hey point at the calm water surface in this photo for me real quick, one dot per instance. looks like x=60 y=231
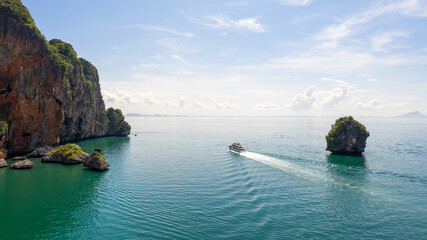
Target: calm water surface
x=176 y=180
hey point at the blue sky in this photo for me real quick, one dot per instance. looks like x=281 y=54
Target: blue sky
x=248 y=57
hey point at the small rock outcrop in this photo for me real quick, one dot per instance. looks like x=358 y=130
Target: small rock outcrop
x=26 y=164
x=96 y=162
x=3 y=163
x=347 y=136
x=40 y=152
x=67 y=154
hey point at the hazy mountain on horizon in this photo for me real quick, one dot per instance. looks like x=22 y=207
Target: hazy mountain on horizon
x=415 y=114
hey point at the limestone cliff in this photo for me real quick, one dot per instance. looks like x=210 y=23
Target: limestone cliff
x=347 y=136
x=47 y=94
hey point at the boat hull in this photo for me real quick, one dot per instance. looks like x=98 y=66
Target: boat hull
x=236 y=152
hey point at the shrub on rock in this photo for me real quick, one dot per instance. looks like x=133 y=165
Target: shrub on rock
x=66 y=154
x=96 y=162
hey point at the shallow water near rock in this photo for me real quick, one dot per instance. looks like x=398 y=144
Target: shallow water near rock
x=176 y=180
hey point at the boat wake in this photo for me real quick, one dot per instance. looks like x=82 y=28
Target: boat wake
x=286 y=166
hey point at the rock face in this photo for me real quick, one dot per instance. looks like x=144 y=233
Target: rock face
x=40 y=152
x=3 y=138
x=96 y=162
x=17 y=158
x=67 y=154
x=3 y=163
x=47 y=95
x=347 y=136
x=26 y=164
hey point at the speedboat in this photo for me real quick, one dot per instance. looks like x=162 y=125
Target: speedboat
x=236 y=148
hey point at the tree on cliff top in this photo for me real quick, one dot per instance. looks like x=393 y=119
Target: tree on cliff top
x=15 y=9
x=116 y=122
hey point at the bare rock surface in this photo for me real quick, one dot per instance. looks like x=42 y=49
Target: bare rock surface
x=40 y=152
x=26 y=164
x=96 y=162
x=347 y=136
x=67 y=154
x=3 y=163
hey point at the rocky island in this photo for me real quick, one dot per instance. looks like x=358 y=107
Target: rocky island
x=347 y=136
x=48 y=96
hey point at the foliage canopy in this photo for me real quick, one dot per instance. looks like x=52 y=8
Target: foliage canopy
x=15 y=9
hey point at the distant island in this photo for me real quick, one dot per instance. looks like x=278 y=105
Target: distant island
x=415 y=114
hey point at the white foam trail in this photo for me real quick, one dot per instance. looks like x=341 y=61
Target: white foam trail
x=312 y=174
x=286 y=166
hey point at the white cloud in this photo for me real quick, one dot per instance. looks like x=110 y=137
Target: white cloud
x=236 y=4
x=347 y=27
x=159 y=29
x=296 y=2
x=304 y=100
x=341 y=61
x=128 y=97
x=223 y=105
x=224 y=22
x=374 y=105
x=119 y=96
x=198 y=104
x=147 y=98
x=338 y=94
x=372 y=80
x=266 y=105
x=182 y=101
x=169 y=43
x=148 y=66
x=179 y=59
x=381 y=42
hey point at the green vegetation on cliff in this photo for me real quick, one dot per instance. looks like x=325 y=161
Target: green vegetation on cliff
x=341 y=128
x=66 y=59
x=3 y=128
x=61 y=53
x=116 y=122
x=15 y=9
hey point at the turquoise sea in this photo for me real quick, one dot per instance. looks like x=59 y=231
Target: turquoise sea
x=176 y=180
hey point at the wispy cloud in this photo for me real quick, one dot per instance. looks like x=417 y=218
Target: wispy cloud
x=384 y=41
x=159 y=29
x=266 y=105
x=224 y=22
x=223 y=105
x=340 y=61
x=347 y=27
x=179 y=58
x=236 y=4
x=374 y=105
x=296 y=2
x=199 y=104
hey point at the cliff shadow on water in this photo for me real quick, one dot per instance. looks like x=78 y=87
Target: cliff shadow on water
x=32 y=198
